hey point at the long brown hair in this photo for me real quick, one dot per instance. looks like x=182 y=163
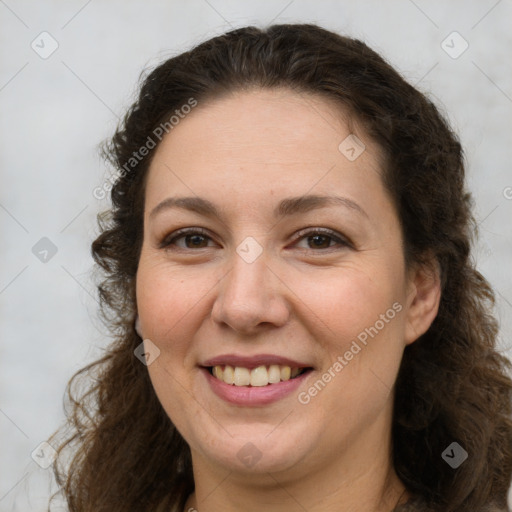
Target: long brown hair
x=453 y=386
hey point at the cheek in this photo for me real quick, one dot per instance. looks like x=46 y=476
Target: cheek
x=356 y=317
x=170 y=304
x=346 y=301
x=167 y=299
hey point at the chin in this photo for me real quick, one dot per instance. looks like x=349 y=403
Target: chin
x=255 y=450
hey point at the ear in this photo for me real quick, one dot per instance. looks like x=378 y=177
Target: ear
x=423 y=297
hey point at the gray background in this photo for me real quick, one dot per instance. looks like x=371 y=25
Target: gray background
x=55 y=110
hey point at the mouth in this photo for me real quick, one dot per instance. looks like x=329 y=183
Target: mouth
x=260 y=376
x=254 y=380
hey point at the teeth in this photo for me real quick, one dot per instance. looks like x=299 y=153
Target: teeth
x=242 y=376
x=286 y=372
x=228 y=375
x=274 y=374
x=260 y=376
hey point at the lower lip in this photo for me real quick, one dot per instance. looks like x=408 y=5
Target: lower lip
x=254 y=395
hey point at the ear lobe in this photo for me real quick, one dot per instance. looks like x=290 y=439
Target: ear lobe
x=137 y=326
x=423 y=300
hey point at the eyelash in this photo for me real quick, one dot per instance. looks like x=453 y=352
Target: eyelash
x=181 y=233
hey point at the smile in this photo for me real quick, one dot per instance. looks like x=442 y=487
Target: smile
x=254 y=380
x=255 y=377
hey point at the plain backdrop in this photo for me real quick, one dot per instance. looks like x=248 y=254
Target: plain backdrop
x=57 y=107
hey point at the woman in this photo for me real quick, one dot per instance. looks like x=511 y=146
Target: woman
x=297 y=322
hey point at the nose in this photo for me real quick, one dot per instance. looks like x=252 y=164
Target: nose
x=251 y=297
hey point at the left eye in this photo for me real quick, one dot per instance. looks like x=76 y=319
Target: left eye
x=198 y=239
x=321 y=239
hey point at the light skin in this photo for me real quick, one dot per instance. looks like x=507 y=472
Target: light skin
x=306 y=297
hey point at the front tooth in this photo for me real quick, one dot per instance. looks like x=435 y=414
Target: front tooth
x=259 y=376
x=217 y=372
x=242 y=376
x=274 y=374
x=228 y=375
x=285 y=372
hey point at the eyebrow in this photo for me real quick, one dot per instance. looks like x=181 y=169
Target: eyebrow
x=287 y=207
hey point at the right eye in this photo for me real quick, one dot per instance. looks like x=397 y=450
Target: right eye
x=195 y=238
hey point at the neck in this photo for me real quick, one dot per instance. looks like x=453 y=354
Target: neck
x=281 y=499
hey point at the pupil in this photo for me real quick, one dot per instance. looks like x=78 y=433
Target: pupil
x=316 y=239
x=194 y=239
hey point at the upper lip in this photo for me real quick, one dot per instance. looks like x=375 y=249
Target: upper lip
x=253 y=361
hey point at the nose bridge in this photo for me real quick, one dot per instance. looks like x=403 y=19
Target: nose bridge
x=249 y=278
x=250 y=293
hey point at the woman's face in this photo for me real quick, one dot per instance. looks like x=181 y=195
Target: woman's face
x=297 y=266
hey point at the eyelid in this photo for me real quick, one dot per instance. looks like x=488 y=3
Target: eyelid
x=312 y=230
x=298 y=236
x=166 y=241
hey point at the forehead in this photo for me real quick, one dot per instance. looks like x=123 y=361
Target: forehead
x=262 y=141
x=247 y=119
